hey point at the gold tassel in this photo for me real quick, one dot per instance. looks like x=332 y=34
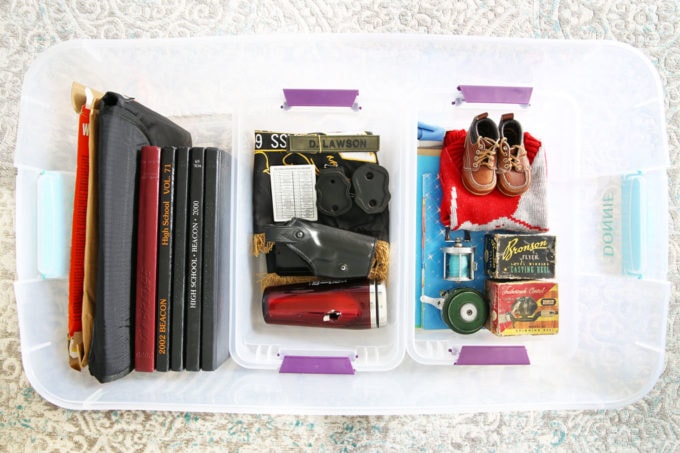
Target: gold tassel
x=381 y=261
x=260 y=245
x=273 y=279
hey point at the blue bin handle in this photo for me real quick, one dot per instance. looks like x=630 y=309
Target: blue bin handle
x=633 y=224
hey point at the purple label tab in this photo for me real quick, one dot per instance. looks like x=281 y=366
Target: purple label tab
x=496 y=94
x=493 y=355
x=316 y=365
x=320 y=98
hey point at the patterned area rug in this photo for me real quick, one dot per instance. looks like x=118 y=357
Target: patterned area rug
x=28 y=423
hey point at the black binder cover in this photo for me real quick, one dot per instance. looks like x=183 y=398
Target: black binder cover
x=124 y=127
x=215 y=311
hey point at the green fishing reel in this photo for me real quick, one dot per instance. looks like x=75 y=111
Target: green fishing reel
x=464 y=310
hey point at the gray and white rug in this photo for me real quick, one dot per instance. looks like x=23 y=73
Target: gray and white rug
x=28 y=423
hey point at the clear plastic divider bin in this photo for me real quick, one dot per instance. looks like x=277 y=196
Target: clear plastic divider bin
x=597 y=107
x=255 y=344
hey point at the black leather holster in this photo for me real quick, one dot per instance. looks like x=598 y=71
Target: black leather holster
x=306 y=248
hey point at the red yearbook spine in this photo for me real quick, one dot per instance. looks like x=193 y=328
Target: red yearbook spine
x=147 y=249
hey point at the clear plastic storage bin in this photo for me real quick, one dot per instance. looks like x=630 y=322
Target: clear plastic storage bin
x=597 y=106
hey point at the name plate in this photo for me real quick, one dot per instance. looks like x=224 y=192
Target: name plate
x=316 y=143
x=320 y=143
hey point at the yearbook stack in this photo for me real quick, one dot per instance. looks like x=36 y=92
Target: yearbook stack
x=178 y=317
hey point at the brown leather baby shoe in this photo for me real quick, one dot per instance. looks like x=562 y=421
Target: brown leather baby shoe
x=514 y=170
x=479 y=157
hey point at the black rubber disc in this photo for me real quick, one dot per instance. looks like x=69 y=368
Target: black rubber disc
x=465 y=310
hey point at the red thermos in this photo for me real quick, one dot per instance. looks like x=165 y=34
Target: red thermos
x=349 y=304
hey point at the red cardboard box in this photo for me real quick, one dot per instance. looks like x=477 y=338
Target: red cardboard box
x=523 y=307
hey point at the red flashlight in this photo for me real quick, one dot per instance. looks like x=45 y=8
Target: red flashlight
x=349 y=304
